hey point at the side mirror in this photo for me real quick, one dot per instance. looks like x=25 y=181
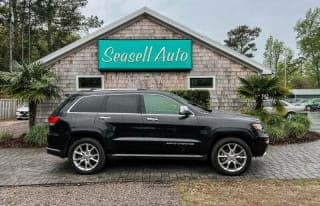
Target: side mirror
x=184 y=110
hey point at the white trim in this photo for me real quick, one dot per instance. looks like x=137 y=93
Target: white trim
x=95 y=35
x=209 y=88
x=89 y=76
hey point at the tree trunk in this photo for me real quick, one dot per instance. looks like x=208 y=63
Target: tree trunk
x=32 y=113
x=259 y=102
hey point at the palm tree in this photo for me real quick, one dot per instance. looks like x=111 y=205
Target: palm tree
x=260 y=87
x=34 y=83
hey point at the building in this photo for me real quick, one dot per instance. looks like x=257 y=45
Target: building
x=148 y=50
x=304 y=93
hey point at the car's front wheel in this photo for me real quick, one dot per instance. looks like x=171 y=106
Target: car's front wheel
x=87 y=156
x=231 y=156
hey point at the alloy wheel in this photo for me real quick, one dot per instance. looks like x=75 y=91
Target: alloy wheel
x=232 y=157
x=85 y=157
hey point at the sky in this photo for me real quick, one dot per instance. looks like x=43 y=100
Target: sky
x=214 y=18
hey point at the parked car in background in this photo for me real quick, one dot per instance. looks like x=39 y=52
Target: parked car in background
x=90 y=127
x=22 y=112
x=312 y=104
x=300 y=102
x=289 y=108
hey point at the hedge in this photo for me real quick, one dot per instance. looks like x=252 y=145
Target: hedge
x=201 y=98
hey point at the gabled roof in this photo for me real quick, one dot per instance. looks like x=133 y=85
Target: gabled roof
x=146 y=11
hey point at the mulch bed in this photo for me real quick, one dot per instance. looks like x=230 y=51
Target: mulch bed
x=308 y=137
x=16 y=143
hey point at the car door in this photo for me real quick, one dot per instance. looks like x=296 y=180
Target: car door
x=121 y=122
x=166 y=131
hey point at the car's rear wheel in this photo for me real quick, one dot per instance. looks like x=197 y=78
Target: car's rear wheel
x=87 y=156
x=289 y=115
x=231 y=156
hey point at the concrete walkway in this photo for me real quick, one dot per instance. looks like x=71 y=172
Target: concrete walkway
x=315 y=121
x=34 y=166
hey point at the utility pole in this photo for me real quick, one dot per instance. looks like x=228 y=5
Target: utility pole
x=285 y=69
x=11 y=29
x=29 y=32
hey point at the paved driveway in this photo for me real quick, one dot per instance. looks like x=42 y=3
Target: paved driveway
x=34 y=166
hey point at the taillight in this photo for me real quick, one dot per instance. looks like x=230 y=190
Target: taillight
x=52 y=120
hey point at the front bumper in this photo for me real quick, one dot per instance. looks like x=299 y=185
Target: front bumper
x=20 y=115
x=260 y=145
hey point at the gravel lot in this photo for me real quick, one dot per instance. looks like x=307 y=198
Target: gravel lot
x=96 y=194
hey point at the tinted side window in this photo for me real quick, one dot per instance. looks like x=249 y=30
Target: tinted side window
x=156 y=104
x=123 y=104
x=89 y=104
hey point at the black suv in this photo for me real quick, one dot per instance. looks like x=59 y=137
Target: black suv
x=91 y=127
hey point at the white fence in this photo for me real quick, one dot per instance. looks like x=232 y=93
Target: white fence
x=8 y=108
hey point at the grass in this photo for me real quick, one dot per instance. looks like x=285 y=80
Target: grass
x=250 y=192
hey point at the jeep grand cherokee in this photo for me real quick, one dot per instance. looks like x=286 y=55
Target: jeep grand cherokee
x=91 y=127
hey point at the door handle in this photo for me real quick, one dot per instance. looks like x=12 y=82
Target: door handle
x=152 y=119
x=104 y=117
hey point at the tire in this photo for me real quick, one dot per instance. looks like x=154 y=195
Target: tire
x=221 y=163
x=91 y=160
x=289 y=115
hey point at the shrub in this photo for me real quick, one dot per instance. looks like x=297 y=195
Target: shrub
x=198 y=97
x=279 y=129
x=301 y=118
x=276 y=133
x=5 y=136
x=295 y=129
x=274 y=120
x=37 y=135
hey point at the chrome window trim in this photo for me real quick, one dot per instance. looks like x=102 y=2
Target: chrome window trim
x=108 y=113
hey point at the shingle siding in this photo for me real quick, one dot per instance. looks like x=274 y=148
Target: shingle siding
x=206 y=62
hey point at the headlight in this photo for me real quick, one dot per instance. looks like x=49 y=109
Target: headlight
x=17 y=113
x=257 y=126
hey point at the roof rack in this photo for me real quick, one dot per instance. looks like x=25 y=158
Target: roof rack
x=116 y=89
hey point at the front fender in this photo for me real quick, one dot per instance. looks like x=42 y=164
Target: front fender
x=219 y=133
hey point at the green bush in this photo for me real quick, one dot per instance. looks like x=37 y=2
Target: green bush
x=197 y=97
x=274 y=120
x=280 y=129
x=295 y=129
x=37 y=135
x=276 y=133
x=5 y=136
x=301 y=118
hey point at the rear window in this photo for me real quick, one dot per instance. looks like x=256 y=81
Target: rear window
x=89 y=104
x=123 y=104
x=64 y=105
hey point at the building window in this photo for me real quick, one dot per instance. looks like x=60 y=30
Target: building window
x=85 y=82
x=201 y=82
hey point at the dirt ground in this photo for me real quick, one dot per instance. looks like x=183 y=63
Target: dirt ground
x=97 y=194
x=251 y=192
x=14 y=127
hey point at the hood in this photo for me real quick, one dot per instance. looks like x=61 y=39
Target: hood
x=234 y=115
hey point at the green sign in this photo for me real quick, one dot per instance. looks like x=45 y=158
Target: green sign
x=144 y=54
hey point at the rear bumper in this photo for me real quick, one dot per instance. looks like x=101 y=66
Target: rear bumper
x=260 y=145
x=57 y=144
x=55 y=152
